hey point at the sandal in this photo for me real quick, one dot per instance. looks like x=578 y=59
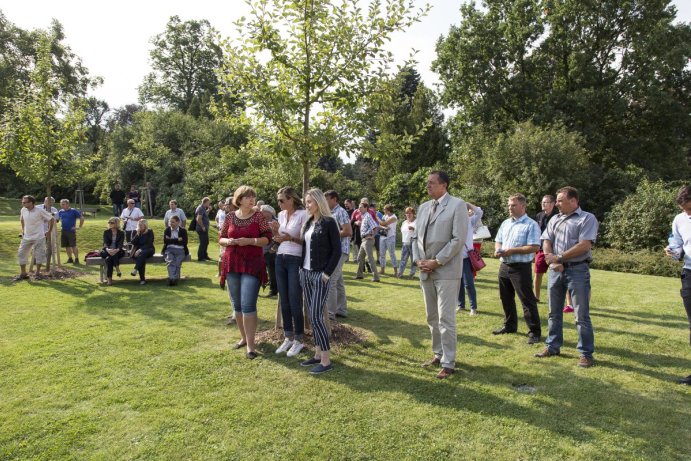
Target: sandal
x=251 y=355
x=239 y=345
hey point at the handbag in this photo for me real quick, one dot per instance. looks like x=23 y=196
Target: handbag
x=193 y=223
x=482 y=232
x=476 y=259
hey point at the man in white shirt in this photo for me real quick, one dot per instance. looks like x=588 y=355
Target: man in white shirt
x=32 y=220
x=130 y=216
x=680 y=245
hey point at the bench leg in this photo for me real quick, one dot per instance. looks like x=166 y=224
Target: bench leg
x=103 y=273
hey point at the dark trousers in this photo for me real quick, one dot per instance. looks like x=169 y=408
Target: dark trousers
x=270 y=259
x=203 y=245
x=140 y=261
x=686 y=295
x=111 y=261
x=517 y=279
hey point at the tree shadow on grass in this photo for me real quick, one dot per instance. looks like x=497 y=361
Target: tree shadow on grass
x=156 y=299
x=661 y=320
x=566 y=403
x=649 y=362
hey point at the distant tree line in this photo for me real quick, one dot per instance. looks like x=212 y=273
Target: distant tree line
x=543 y=94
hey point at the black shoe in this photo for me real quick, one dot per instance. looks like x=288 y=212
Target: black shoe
x=502 y=331
x=70 y=261
x=170 y=282
x=686 y=380
x=338 y=314
x=533 y=338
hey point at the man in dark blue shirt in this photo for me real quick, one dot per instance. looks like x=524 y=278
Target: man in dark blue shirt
x=68 y=222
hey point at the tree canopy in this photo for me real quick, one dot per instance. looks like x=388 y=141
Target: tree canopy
x=185 y=59
x=617 y=72
x=305 y=68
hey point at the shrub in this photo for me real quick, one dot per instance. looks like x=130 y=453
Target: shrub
x=642 y=220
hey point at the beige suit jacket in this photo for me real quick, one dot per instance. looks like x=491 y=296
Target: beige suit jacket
x=445 y=237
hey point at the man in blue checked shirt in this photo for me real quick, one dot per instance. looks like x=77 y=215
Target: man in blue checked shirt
x=517 y=241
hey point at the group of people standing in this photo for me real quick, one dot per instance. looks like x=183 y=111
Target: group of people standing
x=308 y=254
x=311 y=242
x=37 y=222
x=438 y=250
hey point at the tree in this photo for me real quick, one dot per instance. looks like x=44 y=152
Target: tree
x=184 y=59
x=19 y=50
x=617 y=72
x=305 y=67
x=42 y=128
x=407 y=132
x=532 y=160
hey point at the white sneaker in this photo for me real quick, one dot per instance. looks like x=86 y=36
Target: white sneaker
x=473 y=311
x=285 y=346
x=295 y=350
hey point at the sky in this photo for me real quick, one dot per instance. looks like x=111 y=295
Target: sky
x=113 y=38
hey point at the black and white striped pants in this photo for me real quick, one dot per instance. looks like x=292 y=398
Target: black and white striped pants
x=316 y=293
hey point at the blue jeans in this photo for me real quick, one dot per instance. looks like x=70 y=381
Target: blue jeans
x=575 y=279
x=290 y=295
x=243 y=290
x=468 y=281
x=387 y=244
x=406 y=252
x=117 y=210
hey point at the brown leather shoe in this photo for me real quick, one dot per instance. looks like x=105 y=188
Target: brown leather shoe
x=585 y=362
x=546 y=352
x=445 y=373
x=434 y=362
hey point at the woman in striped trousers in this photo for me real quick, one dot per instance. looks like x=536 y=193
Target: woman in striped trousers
x=321 y=250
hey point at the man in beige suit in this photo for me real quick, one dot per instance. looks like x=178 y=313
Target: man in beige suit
x=439 y=237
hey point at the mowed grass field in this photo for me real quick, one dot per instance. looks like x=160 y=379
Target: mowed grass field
x=131 y=372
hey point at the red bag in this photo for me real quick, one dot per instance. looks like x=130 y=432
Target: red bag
x=476 y=260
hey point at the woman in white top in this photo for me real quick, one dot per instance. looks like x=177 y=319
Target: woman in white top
x=286 y=233
x=388 y=242
x=407 y=230
x=468 y=278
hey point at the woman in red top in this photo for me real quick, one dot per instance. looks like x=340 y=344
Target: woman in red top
x=243 y=235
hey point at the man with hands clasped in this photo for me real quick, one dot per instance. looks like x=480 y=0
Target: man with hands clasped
x=567 y=243
x=442 y=226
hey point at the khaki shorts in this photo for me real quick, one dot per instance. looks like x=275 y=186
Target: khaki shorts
x=39 y=247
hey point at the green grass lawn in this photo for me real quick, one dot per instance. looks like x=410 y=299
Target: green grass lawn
x=131 y=372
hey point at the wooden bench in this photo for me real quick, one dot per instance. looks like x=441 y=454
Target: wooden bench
x=90 y=211
x=155 y=259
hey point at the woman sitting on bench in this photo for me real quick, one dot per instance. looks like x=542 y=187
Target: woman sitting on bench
x=113 y=240
x=142 y=248
x=174 y=249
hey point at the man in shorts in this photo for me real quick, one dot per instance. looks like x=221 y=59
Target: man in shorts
x=68 y=237
x=32 y=220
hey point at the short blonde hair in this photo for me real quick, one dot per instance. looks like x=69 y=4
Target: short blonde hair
x=242 y=192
